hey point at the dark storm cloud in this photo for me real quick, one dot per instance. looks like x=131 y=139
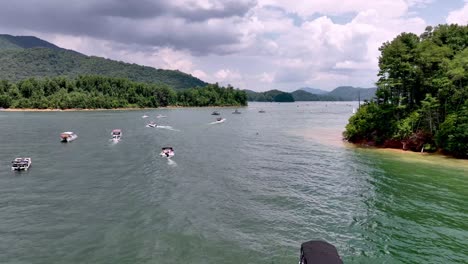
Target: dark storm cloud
x=179 y=24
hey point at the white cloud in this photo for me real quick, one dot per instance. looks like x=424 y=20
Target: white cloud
x=267 y=77
x=260 y=45
x=227 y=75
x=459 y=16
x=387 y=8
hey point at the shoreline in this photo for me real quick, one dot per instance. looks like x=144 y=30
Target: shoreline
x=415 y=156
x=111 y=109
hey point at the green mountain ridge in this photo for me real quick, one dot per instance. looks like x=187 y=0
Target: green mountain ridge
x=24 y=42
x=341 y=93
x=23 y=57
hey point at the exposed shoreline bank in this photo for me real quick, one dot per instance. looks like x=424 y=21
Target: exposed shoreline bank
x=410 y=153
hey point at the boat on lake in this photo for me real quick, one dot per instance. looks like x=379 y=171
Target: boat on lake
x=21 y=164
x=317 y=251
x=68 y=136
x=151 y=124
x=262 y=111
x=219 y=120
x=237 y=112
x=215 y=113
x=167 y=152
x=144 y=116
x=161 y=116
x=116 y=135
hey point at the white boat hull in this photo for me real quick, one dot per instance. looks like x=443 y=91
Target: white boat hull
x=21 y=164
x=69 y=139
x=219 y=122
x=170 y=155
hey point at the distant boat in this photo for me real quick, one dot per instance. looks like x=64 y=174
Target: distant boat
x=144 y=116
x=354 y=110
x=116 y=135
x=21 y=164
x=219 y=120
x=262 y=111
x=160 y=116
x=152 y=124
x=167 y=152
x=236 y=112
x=68 y=136
x=215 y=113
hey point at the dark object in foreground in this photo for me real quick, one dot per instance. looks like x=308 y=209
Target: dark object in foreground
x=319 y=252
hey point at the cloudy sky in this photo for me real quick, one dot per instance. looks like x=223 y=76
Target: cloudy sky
x=251 y=44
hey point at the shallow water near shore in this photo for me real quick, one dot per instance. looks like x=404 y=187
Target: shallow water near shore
x=249 y=190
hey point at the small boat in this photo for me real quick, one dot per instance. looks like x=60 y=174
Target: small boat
x=215 y=113
x=161 y=116
x=21 y=164
x=354 y=110
x=317 y=251
x=68 y=136
x=262 y=111
x=219 y=120
x=144 y=116
x=116 y=135
x=237 y=112
x=167 y=152
x=151 y=124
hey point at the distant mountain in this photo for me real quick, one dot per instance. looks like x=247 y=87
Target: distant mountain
x=302 y=95
x=342 y=93
x=268 y=96
x=24 y=57
x=313 y=90
x=24 y=42
x=349 y=93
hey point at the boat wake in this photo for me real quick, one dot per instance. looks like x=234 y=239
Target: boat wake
x=171 y=163
x=218 y=122
x=113 y=141
x=168 y=128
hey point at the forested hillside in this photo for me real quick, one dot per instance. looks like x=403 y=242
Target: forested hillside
x=422 y=96
x=107 y=92
x=25 y=57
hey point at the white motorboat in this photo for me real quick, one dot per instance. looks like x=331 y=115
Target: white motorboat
x=219 y=120
x=116 y=135
x=68 y=136
x=151 y=124
x=21 y=164
x=167 y=152
x=161 y=116
x=144 y=116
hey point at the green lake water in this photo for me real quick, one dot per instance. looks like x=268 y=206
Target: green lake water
x=249 y=190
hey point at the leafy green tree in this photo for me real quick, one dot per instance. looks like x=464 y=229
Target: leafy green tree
x=422 y=92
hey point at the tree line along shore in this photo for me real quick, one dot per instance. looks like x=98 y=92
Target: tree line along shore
x=99 y=92
x=421 y=103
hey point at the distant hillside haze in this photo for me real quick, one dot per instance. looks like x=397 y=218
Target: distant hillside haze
x=342 y=93
x=313 y=90
x=23 y=57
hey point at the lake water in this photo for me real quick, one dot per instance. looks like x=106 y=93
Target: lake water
x=249 y=190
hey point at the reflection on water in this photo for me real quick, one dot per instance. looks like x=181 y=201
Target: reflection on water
x=331 y=136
